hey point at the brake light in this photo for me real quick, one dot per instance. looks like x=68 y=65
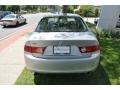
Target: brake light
x=88 y=49
x=32 y=49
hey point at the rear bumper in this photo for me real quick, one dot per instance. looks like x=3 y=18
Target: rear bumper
x=1 y=23
x=62 y=65
x=8 y=23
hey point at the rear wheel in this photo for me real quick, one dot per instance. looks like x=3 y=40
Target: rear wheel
x=17 y=23
x=4 y=26
x=25 y=21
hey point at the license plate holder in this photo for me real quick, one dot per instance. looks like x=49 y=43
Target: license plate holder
x=61 y=50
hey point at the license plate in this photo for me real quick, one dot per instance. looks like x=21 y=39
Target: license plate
x=61 y=49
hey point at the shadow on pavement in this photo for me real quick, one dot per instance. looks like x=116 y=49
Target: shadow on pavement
x=99 y=77
x=15 y=26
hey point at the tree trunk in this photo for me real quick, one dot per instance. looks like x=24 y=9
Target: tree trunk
x=65 y=8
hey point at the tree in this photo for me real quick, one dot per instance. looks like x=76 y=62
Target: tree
x=13 y=8
x=27 y=8
x=96 y=12
x=58 y=8
x=65 y=8
x=87 y=10
x=3 y=7
x=43 y=8
x=77 y=10
x=68 y=8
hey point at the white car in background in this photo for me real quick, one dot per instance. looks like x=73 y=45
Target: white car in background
x=13 y=20
x=96 y=20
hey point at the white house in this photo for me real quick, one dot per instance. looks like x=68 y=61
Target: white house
x=109 y=18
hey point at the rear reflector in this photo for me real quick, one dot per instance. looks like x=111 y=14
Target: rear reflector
x=31 y=49
x=88 y=49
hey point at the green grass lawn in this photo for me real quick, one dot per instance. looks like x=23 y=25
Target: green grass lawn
x=107 y=73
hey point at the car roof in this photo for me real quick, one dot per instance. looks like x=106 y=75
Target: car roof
x=5 y=11
x=61 y=14
x=13 y=14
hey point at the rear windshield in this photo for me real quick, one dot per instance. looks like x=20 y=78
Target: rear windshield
x=61 y=24
x=10 y=16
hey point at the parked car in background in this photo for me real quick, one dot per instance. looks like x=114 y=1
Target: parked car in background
x=4 y=13
x=62 y=43
x=96 y=21
x=13 y=20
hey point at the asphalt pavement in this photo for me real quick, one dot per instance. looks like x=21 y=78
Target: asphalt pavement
x=32 y=21
x=12 y=48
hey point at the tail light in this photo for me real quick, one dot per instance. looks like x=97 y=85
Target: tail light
x=88 y=49
x=32 y=49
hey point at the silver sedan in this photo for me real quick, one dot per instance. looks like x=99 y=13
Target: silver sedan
x=62 y=43
x=12 y=20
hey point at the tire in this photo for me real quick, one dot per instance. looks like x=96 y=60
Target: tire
x=4 y=26
x=17 y=23
x=25 y=21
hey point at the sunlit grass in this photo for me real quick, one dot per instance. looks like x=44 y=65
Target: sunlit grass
x=110 y=51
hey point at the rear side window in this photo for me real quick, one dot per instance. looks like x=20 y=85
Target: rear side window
x=61 y=24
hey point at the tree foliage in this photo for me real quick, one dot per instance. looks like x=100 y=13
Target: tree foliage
x=68 y=8
x=86 y=10
x=13 y=8
x=96 y=12
x=3 y=7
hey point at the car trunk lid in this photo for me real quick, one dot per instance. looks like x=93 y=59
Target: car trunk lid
x=70 y=39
